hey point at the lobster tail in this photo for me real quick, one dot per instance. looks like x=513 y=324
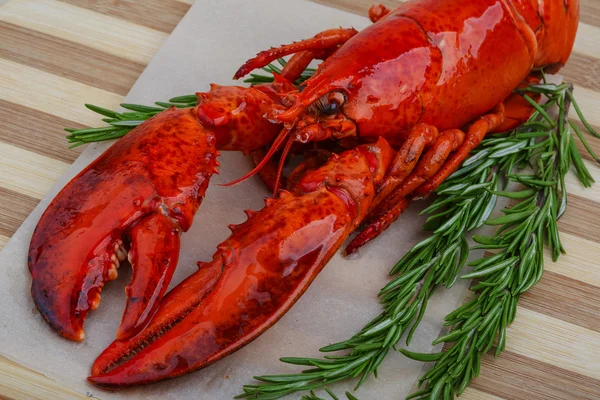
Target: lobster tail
x=557 y=35
x=554 y=23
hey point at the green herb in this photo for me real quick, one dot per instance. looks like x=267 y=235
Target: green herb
x=119 y=124
x=313 y=396
x=479 y=325
x=545 y=147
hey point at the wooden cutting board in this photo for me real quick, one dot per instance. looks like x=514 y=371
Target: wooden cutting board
x=57 y=55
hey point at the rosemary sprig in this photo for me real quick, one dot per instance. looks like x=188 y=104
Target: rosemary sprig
x=465 y=201
x=518 y=263
x=119 y=124
x=313 y=396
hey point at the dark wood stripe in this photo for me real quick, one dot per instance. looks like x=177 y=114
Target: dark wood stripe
x=590 y=12
x=162 y=15
x=516 y=377
x=67 y=59
x=583 y=70
x=582 y=218
x=566 y=299
x=14 y=208
x=36 y=131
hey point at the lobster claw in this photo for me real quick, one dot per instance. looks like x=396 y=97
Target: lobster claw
x=255 y=276
x=145 y=188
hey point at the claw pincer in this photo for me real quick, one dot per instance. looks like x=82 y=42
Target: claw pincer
x=256 y=275
x=129 y=194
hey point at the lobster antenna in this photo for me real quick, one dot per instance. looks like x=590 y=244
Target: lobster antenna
x=284 y=155
x=276 y=145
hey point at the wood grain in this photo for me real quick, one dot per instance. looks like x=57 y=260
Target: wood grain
x=516 y=377
x=97 y=31
x=14 y=208
x=67 y=59
x=57 y=55
x=162 y=16
x=53 y=94
x=581 y=219
x=28 y=173
x=37 y=131
x=577 y=262
x=566 y=298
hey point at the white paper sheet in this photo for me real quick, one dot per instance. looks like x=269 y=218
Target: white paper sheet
x=212 y=40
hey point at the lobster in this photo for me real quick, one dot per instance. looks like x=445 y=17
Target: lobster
x=398 y=106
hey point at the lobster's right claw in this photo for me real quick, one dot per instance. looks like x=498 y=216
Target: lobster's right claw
x=256 y=275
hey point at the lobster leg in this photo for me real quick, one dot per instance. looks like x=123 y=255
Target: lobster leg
x=431 y=171
x=390 y=209
x=420 y=137
x=300 y=61
x=516 y=109
x=474 y=136
x=256 y=275
x=322 y=41
x=376 y=12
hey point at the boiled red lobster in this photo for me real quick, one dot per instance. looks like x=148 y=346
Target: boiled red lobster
x=405 y=100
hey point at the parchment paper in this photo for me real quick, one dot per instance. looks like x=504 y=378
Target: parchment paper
x=212 y=40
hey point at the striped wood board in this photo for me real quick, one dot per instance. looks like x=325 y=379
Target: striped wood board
x=57 y=55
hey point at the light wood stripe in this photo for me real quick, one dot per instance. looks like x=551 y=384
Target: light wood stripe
x=162 y=16
x=575 y=187
x=592 y=141
x=577 y=263
x=556 y=342
x=588 y=101
x=20 y=383
x=581 y=219
x=14 y=208
x=516 y=377
x=583 y=71
x=52 y=94
x=28 y=173
x=3 y=240
x=36 y=131
x=585 y=42
x=67 y=59
x=570 y=300
x=124 y=39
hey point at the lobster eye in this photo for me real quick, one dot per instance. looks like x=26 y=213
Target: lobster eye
x=332 y=102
